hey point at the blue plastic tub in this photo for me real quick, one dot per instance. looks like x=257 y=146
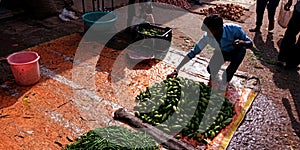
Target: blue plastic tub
x=98 y=20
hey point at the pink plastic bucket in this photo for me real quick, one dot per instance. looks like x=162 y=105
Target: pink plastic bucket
x=25 y=67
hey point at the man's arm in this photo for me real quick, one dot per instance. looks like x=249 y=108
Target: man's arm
x=196 y=50
x=242 y=40
x=183 y=62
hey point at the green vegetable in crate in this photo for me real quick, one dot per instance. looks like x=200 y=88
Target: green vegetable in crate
x=179 y=105
x=114 y=137
x=150 y=32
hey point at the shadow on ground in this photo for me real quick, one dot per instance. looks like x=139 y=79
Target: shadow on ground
x=284 y=79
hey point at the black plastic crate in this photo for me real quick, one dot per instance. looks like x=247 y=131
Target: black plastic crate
x=161 y=39
x=163 y=32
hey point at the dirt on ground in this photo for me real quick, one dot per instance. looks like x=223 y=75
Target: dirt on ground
x=273 y=122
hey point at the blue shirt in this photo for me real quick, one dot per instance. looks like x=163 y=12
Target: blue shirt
x=231 y=32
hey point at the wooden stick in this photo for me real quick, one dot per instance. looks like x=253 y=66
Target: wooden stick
x=126 y=117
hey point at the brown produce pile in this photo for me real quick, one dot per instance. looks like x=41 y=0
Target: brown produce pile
x=228 y=11
x=178 y=3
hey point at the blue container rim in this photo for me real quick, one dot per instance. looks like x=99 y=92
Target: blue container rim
x=99 y=12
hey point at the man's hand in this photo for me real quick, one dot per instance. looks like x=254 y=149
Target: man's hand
x=241 y=43
x=238 y=44
x=174 y=74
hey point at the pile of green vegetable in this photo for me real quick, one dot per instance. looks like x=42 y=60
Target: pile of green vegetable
x=152 y=32
x=114 y=138
x=179 y=105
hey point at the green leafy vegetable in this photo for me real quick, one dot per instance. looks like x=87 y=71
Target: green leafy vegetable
x=113 y=138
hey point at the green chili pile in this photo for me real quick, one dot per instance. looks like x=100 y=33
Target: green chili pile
x=152 y=32
x=178 y=105
x=114 y=138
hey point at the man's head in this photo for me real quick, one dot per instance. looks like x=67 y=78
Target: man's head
x=213 y=23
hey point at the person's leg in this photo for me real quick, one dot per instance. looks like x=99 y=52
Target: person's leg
x=271 y=7
x=287 y=44
x=235 y=59
x=131 y=12
x=213 y=68
x=215 y=64
x=68 y=4
x=145 y=8
x=297 y=49
x=293 y=59
x=260 y=9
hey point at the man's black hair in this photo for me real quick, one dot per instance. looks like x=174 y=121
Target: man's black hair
x=213 y=21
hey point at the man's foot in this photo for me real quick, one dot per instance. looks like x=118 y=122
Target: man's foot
x=271 y=25
x=256 y=29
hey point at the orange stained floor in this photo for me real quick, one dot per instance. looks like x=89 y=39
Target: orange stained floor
x=70 y=99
